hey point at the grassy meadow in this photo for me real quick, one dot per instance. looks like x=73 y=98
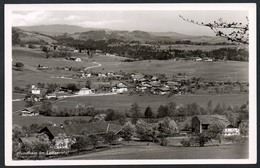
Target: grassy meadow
x=27 y=120
x=123 y=102
x=235 y=151
x=218 y=71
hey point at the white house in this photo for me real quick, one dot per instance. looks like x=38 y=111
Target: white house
x=119 y=88
x=198 y=59
x=77 y=59
x=231 y=130
x=29 y=112
x=35 y=90
x=85 y=91
x=102 y=75
x=51 y=95
x=208 y=59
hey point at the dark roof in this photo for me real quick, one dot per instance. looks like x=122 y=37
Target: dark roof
x=28 y=140
x=28 y=110
x=208 y=119
x=88 y=128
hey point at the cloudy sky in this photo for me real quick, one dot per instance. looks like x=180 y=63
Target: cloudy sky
x=149 y=20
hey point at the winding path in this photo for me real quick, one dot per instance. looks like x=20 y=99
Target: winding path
x=95 y=66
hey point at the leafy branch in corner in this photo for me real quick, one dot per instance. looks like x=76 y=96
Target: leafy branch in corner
x=239 y=31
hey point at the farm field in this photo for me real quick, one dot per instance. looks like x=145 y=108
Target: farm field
x=218 y=71
x=27 y=120
x=196 y=47
x=123 y=102
x=236 y=151
x=32 y=58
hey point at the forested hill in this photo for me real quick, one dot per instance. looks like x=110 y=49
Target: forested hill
x=82 y=33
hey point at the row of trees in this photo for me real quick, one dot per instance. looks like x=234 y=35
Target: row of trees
x=145 y=52
x=234 y=114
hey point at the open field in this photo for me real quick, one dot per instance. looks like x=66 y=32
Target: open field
x=196 y=47
x=236 y=151
x=218 y=71
x=123 y=102
x=32 y=58
x=27 y=120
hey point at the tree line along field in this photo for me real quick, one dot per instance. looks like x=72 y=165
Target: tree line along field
x=195 y=47
x=123 y=102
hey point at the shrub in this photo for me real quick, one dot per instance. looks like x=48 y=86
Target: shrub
x=164 y=142
x=31 y=46
x=185 y=142
x=19 y=64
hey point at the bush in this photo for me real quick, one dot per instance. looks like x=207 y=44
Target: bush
x=31 y=46
x=185 y=142
x=164 y=142
x=19 y=64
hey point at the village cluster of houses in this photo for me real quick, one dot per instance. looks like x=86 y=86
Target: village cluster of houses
x=63 y=136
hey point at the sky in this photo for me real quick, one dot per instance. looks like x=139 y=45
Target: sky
x=148 y=20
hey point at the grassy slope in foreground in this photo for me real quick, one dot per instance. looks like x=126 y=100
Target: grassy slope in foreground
x=236 y=151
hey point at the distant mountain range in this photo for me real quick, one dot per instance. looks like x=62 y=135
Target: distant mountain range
x=83 y=33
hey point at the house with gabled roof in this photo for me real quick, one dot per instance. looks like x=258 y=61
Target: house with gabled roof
x=200 y=123
x=30 y=111
x=35 y=90
x=137 y=77
x=85 y=91
x=63 y=136
x=119 y=88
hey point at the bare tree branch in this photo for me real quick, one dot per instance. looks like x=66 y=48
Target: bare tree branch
x=239 y=34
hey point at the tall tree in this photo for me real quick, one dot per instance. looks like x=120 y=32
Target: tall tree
x=209 y=107
x=127 y=131
x=163 y=111
x=110 y=137
x=81 y=143
x=40 y=144
x=135 y=112
x=148 y=113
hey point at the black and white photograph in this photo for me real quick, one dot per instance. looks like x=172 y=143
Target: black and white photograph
x=130 y=84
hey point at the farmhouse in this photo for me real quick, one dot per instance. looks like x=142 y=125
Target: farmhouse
x=141 y=88
x=77 y=59
x=102 y=75
x=29 y=112
x=200 y=123
x=42 y=67
x=119 y=88
x=32 y=97
x=230 y=130
x=35 y=90
x=51 y=95
x=85 y=91
x=161 y=90
x=137 y=77
x=63 y=136
x=198 y=59
x=207 y=59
